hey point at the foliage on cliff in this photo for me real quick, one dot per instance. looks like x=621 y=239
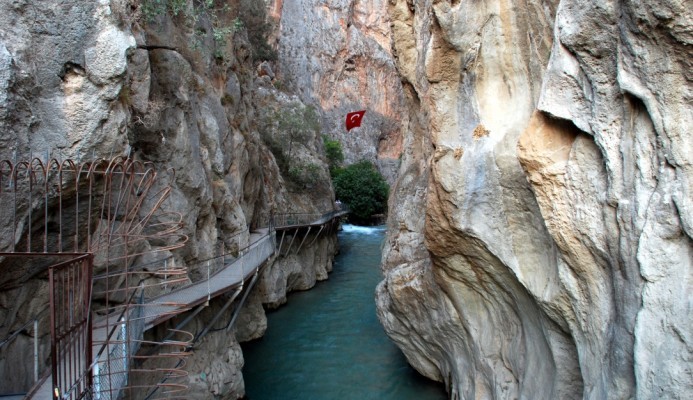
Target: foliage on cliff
x=363 y=189
x=253 y=13
x=334 y=153
x=226 y=18
x=290 y=133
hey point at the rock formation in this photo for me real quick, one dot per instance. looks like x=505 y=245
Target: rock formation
x=539 y=240
x=540 y=227
x=337 y=55
x=177 y=87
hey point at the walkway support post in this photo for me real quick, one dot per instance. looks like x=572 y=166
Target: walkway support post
x=304 y=239
x=216 y=317
x=290 y=243
x=240 y=305
x=317 y=235
x=279 y=249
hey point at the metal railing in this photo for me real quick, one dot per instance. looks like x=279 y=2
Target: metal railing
x=107 y=209
x=295 y=219
x=304 y=219
x=234 y=273
x=71 y=327
x=111 y=375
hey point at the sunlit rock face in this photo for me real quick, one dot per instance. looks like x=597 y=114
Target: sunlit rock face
x=61 y=70
x=100 y=79
x=539 y=240
x=337 y=55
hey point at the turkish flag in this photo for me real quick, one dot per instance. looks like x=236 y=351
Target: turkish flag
x=353 y=119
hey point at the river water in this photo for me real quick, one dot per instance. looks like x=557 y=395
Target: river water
x=327 y=343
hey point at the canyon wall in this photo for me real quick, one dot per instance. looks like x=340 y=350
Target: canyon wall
x=337 y=55
x=539 y=237
x=177 y=87
x=540 y=226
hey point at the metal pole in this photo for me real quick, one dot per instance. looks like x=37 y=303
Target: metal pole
x=36 y=357
x=304 y=239
x=54 y=339
x=216 y=317
x=318 y=234
x=124 y=347
x=292 y=241
x=97 y=382
x=240 y=304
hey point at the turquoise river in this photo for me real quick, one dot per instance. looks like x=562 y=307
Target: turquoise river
x=327 y=343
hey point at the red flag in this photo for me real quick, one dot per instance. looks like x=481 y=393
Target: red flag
x=353 y=119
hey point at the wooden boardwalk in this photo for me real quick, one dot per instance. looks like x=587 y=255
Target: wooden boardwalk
x=230 y=277
x=164 y=307
x=233 y=275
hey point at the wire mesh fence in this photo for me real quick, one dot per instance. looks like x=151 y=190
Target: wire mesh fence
x=114 y=209
x=112 y=368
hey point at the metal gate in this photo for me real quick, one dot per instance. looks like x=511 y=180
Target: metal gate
x=71 y=327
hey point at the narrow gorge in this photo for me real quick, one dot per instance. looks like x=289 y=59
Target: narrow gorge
x=540 y=156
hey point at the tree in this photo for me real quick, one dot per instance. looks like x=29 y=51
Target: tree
x=363 y=189
x=334 y=153
x=286 y=129
x=299 y=122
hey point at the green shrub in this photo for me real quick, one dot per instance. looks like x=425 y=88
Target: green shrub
x=333 y=152
x=153 y=8
x=285 y=128
x=190 y=14
x=295 y=124
x=361 y=187
x=252 y=17
x=304 y=175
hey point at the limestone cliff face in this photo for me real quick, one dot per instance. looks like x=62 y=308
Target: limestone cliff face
x=95 y=79
x=338 y=56
x=540 y=234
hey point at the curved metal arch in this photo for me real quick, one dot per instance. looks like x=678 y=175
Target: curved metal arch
x=30 y=175
x=125 y=198
x=6 y=172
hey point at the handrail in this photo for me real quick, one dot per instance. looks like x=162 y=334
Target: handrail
x=285 y=220
x=227 y=261
x=242 y=253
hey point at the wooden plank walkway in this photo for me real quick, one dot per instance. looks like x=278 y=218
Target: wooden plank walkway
x=231 y=276
x=320 y=221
